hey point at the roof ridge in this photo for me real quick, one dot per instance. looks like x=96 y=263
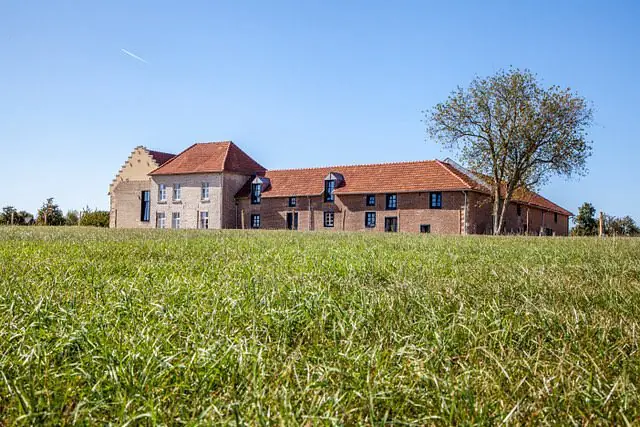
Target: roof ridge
x=455 y=175
x=226 y=154
x=354 y=165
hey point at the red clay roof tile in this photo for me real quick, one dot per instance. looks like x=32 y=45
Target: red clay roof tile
x=210 y=157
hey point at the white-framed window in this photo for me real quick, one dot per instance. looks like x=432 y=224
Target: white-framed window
x=204 y=191
x=204 y=220
x=328 y=219
x=161 y=220
x=177 y=192
x=162 y=193
x=175 y=220
x=255 y=221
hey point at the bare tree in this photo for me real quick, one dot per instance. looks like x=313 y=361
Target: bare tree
x=515 y=131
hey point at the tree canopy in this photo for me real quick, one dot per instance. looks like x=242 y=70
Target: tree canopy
x=50 y=214
x=515 y=131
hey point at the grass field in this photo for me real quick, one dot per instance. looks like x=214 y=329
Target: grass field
x=152 y=327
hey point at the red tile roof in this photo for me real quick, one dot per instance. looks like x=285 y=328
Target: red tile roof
x=362 y=179
x=210 y=157
x=402 y=177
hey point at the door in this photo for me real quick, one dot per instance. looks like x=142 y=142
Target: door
x=391 y=224
x=292 y=220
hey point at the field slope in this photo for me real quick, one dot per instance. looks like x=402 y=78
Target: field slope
x=162 y=327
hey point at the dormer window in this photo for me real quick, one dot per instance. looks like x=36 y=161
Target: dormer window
x=329 y=186
x=256 y=191
x=332 y=181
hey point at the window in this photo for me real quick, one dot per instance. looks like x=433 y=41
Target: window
x=329 y=186
x=292 y=202
x=328 y=219
x=255 y=194
x=175 y=220
x=204 y=191
x=555 y=217
x=162 y=193
x=519 y=209
x=425 y=228
x=435 y=200
x=392 y=201
x=161 y=220
x=145 y=206
x=371 y=199
x=255 y=220
x=370 y=219
x=177 y=192
x=204 y=220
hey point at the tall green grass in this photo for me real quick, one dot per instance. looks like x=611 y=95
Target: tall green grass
x=162 y=327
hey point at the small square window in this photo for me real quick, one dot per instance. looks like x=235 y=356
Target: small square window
x=435 y=200
x=371 y=199
x=328 y=219
x=425 y=228
x=392 y=202
x=255 y=221
x=370 y=219
x=292 y=202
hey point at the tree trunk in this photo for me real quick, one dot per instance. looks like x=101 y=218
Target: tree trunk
x=496 y=210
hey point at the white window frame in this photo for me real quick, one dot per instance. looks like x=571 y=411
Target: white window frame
x=161 y=220
x=177 y=192
x=162 y=193
x=204 y=191
x=329 y=219
x=203 y=215
x=175 y=220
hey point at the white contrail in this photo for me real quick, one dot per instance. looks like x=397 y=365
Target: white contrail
x=133 y=55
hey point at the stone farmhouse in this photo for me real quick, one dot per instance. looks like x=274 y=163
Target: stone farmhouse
x=217 y=185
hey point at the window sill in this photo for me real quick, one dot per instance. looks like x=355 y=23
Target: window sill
x=204 y=200
x=162 y=202
x=177 y=202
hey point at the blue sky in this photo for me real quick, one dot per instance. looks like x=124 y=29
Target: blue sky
x=295 y=84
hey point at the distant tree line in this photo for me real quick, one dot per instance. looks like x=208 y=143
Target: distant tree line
x=586 y=224
x=51 y=214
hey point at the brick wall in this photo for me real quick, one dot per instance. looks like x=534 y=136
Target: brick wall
x=231 y=185
x=126 y=205
x=349 y=212
x=190 y=201
x=126 y=189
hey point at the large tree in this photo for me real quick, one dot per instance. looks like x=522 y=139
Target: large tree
x=50 y=213
x=515 y=131
x=585 y=222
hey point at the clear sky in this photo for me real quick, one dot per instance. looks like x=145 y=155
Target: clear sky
x=294 y=84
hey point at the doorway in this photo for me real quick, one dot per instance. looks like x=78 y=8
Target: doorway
x=292 y=220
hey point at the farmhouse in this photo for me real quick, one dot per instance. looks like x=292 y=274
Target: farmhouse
x=216 y=185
